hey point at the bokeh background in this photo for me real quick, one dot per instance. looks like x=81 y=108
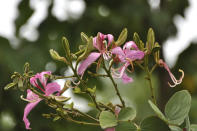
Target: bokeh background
x=29 y=28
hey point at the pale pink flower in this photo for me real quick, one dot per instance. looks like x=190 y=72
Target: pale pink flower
x=127 y=55
x=174 y=80
x=101 y=43
x=34 y=99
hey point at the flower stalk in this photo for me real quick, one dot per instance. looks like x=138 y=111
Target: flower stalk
x=114 y=84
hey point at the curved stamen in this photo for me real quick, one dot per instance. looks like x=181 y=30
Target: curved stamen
x=118 y=75
x=76 y=83
x=176 y=82
x=131 y=63
x=30 y=101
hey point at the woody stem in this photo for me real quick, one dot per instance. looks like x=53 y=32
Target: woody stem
x=114 y=84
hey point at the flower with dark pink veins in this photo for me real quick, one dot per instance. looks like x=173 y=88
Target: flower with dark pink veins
x=127 y=55
x=174 y=80
x=34 y=99
x=101 y=43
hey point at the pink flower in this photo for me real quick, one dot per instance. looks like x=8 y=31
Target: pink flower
x=101 y=45
x=127 y=55
x=174 y=80
x=34 y=99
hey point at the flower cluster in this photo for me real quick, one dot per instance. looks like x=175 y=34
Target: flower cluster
x=126 y=56
x=117 y=58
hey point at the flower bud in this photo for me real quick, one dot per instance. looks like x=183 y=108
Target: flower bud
x=122 y=37
x=56 y=56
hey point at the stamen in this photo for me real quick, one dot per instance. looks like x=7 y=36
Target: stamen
x=68 y=84
x=175 y=81
x=131 y=63
x=118 y=75
x=27 y=99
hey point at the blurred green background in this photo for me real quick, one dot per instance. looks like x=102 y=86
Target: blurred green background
x=106 y=16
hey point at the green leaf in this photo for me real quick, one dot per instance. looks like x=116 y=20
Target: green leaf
x=107 y=119
x=177 y=108
x=193 y=127
x=84 y=37
x=153 y=123
x=125 y=126
x=10 y=85
x=157 y=111
x=150 y=39
x=187 y=123
x=175 y=128
x=126 y=114
x=122 y=37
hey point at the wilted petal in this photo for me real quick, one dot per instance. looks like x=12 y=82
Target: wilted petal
x=87 y=62
x=117 y=110
x=52 y=88
x=135 y=55
x=126 y=79
x=129 y=45
x=27 y=109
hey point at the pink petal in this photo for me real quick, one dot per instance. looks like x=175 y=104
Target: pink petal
x=110 y=129
x=110 y=39
x=27 y=109
x=33 y=80
x=52 y=88
x=32 y=96
x=129 y=45
x=98 y=42
x=87 y=62
x=135 y=55
x=41 y=77
x=118 y=51
x=126 y=79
